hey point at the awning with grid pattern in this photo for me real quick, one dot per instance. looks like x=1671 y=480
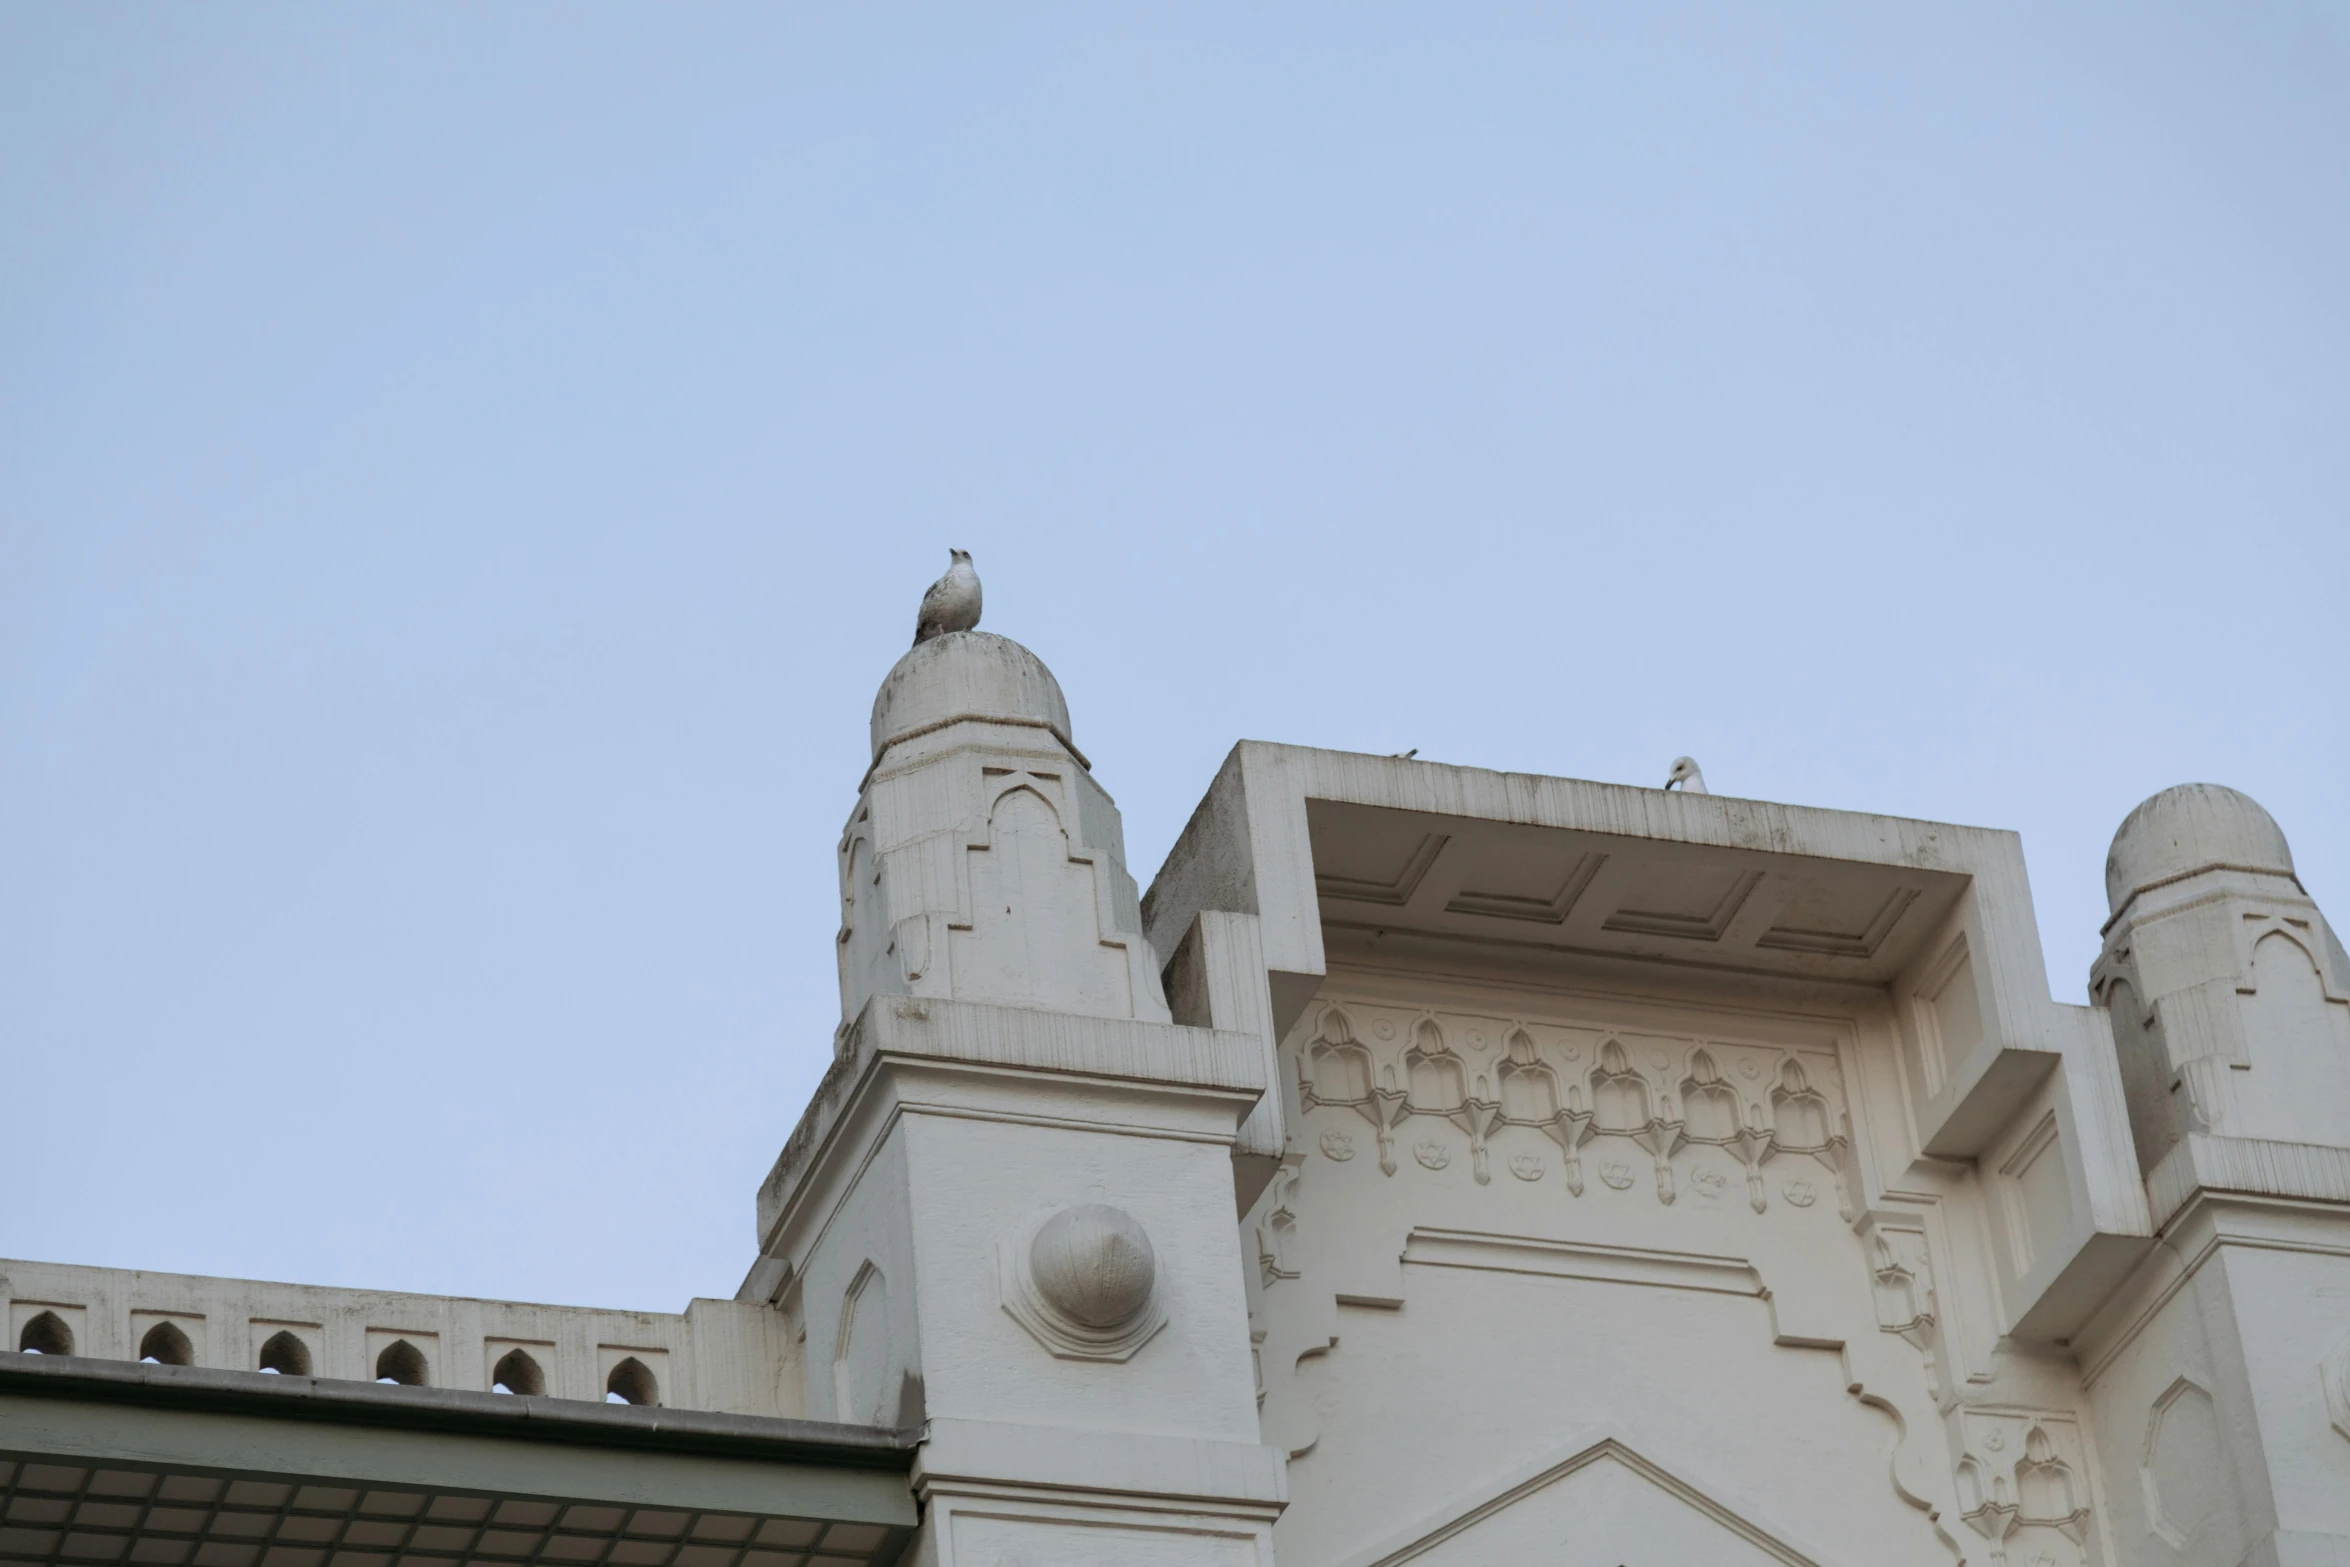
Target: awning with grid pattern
x=105 y=1463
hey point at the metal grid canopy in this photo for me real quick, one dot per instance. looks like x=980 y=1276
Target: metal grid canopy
x=67 y=1513
x=111 y=1465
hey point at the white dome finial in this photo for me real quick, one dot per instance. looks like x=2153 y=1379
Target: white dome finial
x=952 y=604
x=2189 y=828
x=1686 y=775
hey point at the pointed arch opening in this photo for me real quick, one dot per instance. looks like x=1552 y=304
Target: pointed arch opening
x=285 y=1355
x=631 y=1382
x=517 y=1373
x=403 y=1363
x=45 y=1334
x=165 y=1345
x=1038 y=928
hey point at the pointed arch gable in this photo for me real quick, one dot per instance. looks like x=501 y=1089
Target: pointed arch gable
x=1583 y=1454
x=2297 y=1038
x=2303 y=945
x=1011 y=785
x=1038 y=924
x=167 y=1344
x=856 y=869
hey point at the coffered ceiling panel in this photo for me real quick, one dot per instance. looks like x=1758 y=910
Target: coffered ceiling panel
x=1710 y=905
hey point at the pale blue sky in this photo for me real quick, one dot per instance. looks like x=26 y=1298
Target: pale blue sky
x=464 y=471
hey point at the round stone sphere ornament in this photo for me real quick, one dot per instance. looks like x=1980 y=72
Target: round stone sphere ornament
x=1083 y=1282
x=1093 y=1262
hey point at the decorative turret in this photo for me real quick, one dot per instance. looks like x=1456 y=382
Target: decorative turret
x=2229 y=995
x=1006 y=1217
x=983 y=863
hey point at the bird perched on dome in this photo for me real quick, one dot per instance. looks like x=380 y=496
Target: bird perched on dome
x=952 y=604
x=1686 y=775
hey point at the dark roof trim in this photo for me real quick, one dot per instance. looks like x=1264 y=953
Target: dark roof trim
x=521 y=1418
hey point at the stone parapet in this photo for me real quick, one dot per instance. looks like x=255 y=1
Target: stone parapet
x=716 y=1355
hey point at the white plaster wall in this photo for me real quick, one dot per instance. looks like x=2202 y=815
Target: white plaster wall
x=1602 y=1512
x=1919 y=1411
x=1532 y=1315
x=2291 y=1308
x=868 y=1228
x=746 y=1359
x=985 y=1180
x=1029 y=1535
x=2184 y=1344
x=1429 y=1409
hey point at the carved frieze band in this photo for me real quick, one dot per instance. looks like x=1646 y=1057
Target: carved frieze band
x=1617 y=1097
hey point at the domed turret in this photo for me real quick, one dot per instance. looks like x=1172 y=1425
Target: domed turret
x=984 y=862
x=967 y=675
x=2188 y=828
x=2221 y=979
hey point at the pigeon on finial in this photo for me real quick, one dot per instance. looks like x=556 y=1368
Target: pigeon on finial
x=1685 y=774
x=952 y=604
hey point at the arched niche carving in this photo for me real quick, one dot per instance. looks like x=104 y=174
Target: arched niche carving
x=1620 y=1100
x=1338 y=1066
x=863 y=1352
x=1035 y=932
x=1433 y=1074
x=1529 y=1089
x=2297 y=1044
x=1709 y=1106
x=1800 y=1113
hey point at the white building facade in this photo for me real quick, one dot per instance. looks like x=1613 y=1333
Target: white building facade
x=1435 y=1165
